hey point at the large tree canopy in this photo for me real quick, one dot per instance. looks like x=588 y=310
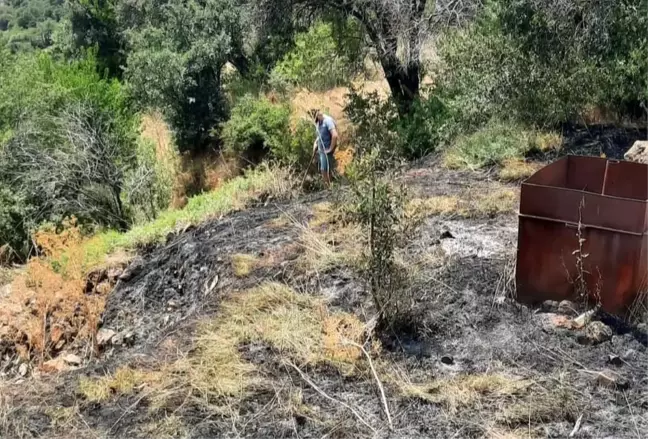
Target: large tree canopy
x=397 y=29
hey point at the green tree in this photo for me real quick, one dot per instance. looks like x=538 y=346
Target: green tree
x=178 y=51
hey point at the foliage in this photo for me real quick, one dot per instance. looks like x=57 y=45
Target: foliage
x=378 y=204
x=322 y=58
x=178 y=51
x=258 y=127
x=543 y=63
x=493 y=145
x=28 y=25
x=148 y=187
x=93 y=24
x=67 y=138
x=414 y=135
x=14 y=225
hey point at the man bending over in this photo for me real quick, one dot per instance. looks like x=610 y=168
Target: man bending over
x=325 y=144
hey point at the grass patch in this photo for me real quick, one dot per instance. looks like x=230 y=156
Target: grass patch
x=329 y=247
x=500 y=144
x=543 y=405
x=243 y=264
x=514 y=170
x=486 y=204
x=124 y=381
x=466 y=391
x=297 y=326
x=490 y=146
x=168 y=427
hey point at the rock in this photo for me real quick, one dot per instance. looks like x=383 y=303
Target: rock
x=549 y=306
x=611 y=380
x=638 y=152
x=446 y=235
x=595 y=333
x=582 y=320
x=447 y=359
x=567 y=307
x=105 y=336
x=615 y=360
x=23 y=369
x=72 y=359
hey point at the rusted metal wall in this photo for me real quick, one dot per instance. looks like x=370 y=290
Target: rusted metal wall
x=589 y=213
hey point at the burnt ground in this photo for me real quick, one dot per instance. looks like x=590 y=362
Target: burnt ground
x=465 y=324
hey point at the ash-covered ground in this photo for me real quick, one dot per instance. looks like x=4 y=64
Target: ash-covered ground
x=473 y=363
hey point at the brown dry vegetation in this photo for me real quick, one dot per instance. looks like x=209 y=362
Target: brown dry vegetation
x=49 y=306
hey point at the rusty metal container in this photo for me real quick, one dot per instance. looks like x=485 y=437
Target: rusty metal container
x=587 y=217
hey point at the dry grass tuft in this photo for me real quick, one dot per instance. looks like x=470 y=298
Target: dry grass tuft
x=124 y=381
x=297 y=326
x=439 y=205
x=540 y=406
x=493 y=203
x=516 y=169
x=244 y=264
x=328 y=247
x=547 y=141
x=481 y=204
x=466 y=391
x=169 y=427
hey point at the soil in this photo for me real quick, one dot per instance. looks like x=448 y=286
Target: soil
x=466 y=324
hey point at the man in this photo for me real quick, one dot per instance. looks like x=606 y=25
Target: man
x=325 y=144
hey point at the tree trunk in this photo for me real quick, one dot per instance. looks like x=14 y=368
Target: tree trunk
x=404 y=83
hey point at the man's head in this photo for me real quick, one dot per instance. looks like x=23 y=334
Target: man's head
x=318 y=115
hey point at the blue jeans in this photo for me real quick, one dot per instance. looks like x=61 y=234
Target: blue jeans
x=326 y=161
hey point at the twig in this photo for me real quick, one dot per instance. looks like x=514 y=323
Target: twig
x=330 y=398
x=576 y=426
x=127 y=411
x=380 y=386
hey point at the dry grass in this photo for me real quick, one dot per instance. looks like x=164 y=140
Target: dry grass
x=432 y=206
x=540 y=406
x=244 y=264
x=169 y=427
x=327 y=240
x=466 y=391
x=516 y=169
x=47 y=303
x=124 y=381
x=329 y=247
x=297 y=326
x=550 y=141
x=481 y=204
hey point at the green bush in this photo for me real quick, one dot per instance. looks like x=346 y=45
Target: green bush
x=324 y=57
x=148 y=187
x=258 y=127
x=67 y=138
x=490 y=146
x=422 y=131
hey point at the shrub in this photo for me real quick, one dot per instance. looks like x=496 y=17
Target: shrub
x=493 y=145
x=258 y=128
x=324 y=57
x=67 y=139
x=421 y=132
x=379 y=206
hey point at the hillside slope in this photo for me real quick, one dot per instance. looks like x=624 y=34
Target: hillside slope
x=250 y=325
